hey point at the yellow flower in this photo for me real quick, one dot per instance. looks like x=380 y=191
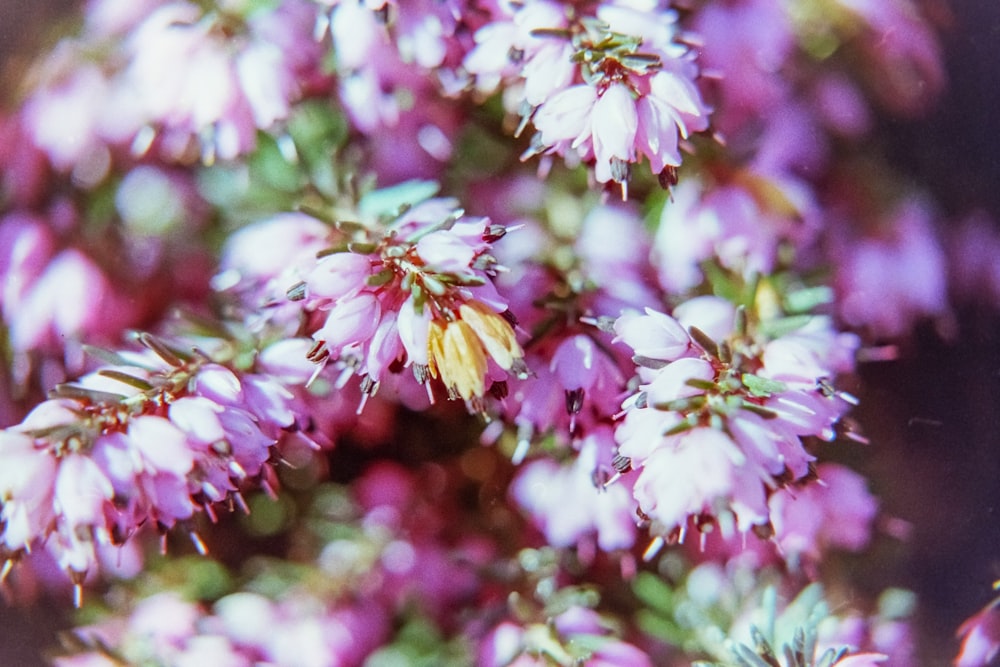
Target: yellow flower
x=459 y=350
x=494 y=332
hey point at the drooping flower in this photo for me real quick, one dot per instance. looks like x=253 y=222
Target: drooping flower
x=413 y=292
x=607 y=89
x=175 y=80
x=888 y=281
x=543 y=488
x=718 y=421
x=146 y=441
x=980 y=638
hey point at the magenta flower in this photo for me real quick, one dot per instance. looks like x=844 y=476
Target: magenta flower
x=980 y=638
x=416 y=293
x=605 y=90
x=135 y=444
x=614 y=125
x=886 y=283
x=568 y=502
x=717 y=423
x=560 y=641
x=837 y=514
x=186 y=84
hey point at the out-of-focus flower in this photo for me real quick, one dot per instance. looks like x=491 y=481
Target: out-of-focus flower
x=578 y=635
x=191 y=84
x=391 y=63
x=750 y=62
x=980 y=637
x=888 y=282
x=569 y=502
x=902 y=52
x=741 y=225
x=53 y=298
x=836 y=513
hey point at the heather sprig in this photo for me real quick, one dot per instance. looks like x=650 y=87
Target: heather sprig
x=726 y=395
x=147 y=440
x=607 y=85
x=412 y=288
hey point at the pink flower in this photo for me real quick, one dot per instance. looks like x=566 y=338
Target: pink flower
x=672 y=110
x=337 y=275
x=615 y=122
x=71 y=299
x=66 y=118
x=752 y=60
x=837 y=513
x=350 y=320
x=568 y=506
x=82 y=492
x=672 y=381
x=564 y=121
x=690 y=475
x=714 y=315
x=980 y=638
x=886 y=284
x=604 y=91
x=27 y=481
x=237 y=86
x=653 y=335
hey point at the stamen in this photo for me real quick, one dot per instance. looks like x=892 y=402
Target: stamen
x=521 y=451
x=241 y=502
x=653 y=548
x=199 y=545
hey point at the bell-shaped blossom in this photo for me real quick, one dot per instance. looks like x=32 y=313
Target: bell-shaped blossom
x=614 y=124
x=834 y=514
x=980 y=638
x=606 y=92
x=131 y=445
x=417 y=293
x=717 y=423
x=653 y=335
x=888 y=282
x=142 y=94
x=568 y=502
x=742 y=227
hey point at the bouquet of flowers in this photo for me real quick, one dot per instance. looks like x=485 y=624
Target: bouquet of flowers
x=447 y=332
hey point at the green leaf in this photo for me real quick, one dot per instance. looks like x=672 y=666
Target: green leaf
x=896 y=603
x=776 y=328
x=762 y=387
x=269 y=165
x=387 y=201
x=654 y=592
x=125 y=378
x=807 y=299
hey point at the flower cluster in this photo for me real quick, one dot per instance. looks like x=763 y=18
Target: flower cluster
x=174 y=79
x=721 y=411
x=146 y=440
x=414 y=292
x=608 y=88
x=317 y=211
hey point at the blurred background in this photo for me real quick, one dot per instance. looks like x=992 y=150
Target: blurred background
x=933 y=416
